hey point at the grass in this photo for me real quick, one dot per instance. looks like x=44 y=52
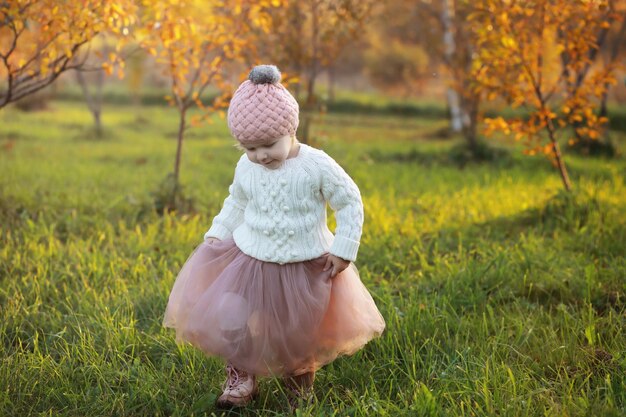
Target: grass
x=502 y=294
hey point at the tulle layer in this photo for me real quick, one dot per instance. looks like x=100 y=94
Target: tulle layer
x=266 y=318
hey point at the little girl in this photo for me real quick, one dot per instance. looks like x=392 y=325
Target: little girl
x=270 y=289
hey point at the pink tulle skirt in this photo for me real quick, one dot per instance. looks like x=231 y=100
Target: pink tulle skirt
x=266 y=318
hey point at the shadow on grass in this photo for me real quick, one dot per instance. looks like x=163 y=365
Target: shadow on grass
x=461 y=157
x=12 y=212
x=15 y=135
x=458 y=156
x=565 y=211
x=583 y=218
x=594 y=172
x=566 y=252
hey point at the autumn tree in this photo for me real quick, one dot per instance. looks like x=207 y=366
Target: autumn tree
x=458 y=56
x=312 y=34
x=441 y=30
x=520 y=48
x=615 y=49
x=98 y=60
x=333 y=25
x=579 y=59
x=93 y=99
x=136 y=71
x=193 y=42
x=397 y=67
x=40 y=39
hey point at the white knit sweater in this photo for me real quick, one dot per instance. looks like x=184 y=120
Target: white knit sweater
x=279 y=215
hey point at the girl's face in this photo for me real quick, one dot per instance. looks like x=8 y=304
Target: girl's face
x=273 y=152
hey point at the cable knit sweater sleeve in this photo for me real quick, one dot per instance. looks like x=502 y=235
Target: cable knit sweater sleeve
x=344 y=198
x=232 y=213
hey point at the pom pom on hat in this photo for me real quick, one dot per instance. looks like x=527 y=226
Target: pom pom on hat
x=262 y=108
x=265 y=74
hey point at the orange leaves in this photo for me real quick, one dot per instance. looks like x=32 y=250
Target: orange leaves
x=508 y=42
x=538 y=56
x=192 y=39
x=496 y=124
x=41 y=38
x=312 y=34
x=108 y=68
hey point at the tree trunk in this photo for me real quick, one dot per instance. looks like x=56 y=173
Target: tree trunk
x=136 y=69
x=179 y=146
x=556 y=151
x=454 y=102
x=605 y=96
x=298 y=85
x=98 y=122
x=310 y=89
x=456 y=119
x=470 y=122
x=94 y=103
x=313 y=66
x=297 y=21
x=98 y=112
x=331 y=84
x=304 y=128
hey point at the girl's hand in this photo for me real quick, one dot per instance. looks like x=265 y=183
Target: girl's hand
x=210 y=240
x=337 y=265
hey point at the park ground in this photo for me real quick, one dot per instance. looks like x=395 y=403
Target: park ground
x=503 y=295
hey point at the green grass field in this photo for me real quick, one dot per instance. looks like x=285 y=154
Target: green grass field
x=502 y=295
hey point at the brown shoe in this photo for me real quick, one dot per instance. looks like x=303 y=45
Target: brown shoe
x=299 y=389
x=240 y=389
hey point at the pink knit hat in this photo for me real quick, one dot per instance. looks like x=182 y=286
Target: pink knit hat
x=262 y=108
